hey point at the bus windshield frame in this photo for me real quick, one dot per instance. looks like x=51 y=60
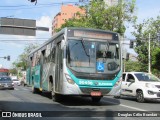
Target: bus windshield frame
x=84 y=55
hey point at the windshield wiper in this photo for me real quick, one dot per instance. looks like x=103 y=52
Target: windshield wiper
x=82 y=41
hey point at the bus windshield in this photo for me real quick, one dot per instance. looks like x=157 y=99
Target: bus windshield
x=93 y=56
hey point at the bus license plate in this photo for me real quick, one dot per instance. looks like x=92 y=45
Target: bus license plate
x=5 y=85
x=96 y=93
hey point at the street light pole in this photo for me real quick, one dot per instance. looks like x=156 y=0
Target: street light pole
x=149 y=55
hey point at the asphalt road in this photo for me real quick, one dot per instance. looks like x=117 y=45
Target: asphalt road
x=22 y=100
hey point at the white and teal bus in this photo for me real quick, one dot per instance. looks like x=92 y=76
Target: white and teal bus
x=77 y=61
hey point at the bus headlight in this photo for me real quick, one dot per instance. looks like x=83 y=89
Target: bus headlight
x=69 y=79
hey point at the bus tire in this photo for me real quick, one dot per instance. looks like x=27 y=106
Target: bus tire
x=57 y=97
x=96 y=99
x=35 y=90
x=117 y=97
x=52 y=95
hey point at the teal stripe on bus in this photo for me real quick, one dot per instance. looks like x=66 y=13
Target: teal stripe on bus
x=36 y=75
x=94 y=83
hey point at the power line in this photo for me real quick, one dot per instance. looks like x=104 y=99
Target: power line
x=34 y=7
x=38 y=4
x=21 y=40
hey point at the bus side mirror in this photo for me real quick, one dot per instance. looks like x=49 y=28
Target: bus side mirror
x=63 y=44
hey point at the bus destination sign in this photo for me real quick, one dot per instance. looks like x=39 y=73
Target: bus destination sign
x=93 y=34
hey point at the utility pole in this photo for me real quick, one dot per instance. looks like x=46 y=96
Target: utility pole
x=158 y=36
x=149 y=55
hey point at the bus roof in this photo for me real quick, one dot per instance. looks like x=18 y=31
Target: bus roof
x=65 y=30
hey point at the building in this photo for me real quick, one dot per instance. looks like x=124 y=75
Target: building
x=111 y=2
x=67 y=12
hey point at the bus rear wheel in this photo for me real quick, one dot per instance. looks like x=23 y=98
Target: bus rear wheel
x=96 y=99
x=35 y=90
x=57 y=97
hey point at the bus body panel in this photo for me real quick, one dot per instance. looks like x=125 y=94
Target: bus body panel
x=28 y=76
x=36 y=76
x=47 y=75
x=85 y=86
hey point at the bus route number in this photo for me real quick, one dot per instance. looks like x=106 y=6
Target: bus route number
x=82 y=82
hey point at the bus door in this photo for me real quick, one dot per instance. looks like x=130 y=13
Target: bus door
x=58 y=69
x=28 y=76
x=42 y=57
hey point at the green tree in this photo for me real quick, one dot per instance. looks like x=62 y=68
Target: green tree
x=22 y=60
x=150 y=26
x=13 y=71
x=101 y=16
x=133 y=66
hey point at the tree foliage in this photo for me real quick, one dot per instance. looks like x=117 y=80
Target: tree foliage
x=150 y=26
x=133 y=66
x=13 y=71
x=101 y=16
x=22 y=60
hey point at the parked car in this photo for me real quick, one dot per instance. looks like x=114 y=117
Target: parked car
x=6 y=83
x=140 y=85
x=16 y=82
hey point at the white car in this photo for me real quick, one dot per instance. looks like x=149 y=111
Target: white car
x=16 y=82
x=140 y=85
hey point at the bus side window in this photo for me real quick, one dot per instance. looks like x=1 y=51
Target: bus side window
x=30 y=61
x=47 y=53
x=42 y=57
x=53 y=55
x=38 y=57
x=34 y=60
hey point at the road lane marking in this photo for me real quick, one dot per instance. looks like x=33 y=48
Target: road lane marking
x=16 y=89
x=135 y=108
x=126 y=106
x=25 y=89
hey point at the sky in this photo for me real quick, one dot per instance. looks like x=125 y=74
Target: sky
x=43 y=12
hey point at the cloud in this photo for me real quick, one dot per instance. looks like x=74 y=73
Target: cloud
x=44 y=21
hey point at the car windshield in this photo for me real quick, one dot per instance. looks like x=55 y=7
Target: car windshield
x=3 y=74
x=93 y=56
x=5 y=79
x=147 y=77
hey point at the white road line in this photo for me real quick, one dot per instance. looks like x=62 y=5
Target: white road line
x=25 y=89
x=132 y=107
x=16 y=89
x=126 y=106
